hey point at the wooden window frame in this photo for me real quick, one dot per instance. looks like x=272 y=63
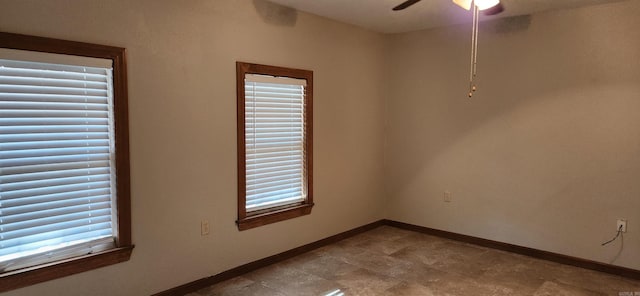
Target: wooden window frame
x=122 y=252
x=277 y=214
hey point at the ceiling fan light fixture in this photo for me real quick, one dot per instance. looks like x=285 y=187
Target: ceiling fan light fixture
x=494 y=10
x=466 y=4
x=486 y=4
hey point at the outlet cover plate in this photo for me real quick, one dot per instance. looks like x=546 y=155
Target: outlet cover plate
x=623 y=223
x=447 y=196
x=204 y=227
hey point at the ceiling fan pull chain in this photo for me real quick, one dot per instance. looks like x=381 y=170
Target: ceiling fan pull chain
x=474 y=50
x=489 y=7
x=473 y=37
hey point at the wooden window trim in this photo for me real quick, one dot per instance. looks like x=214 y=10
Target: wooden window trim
x=122 y=252
x=245 y=222
x=32 y=275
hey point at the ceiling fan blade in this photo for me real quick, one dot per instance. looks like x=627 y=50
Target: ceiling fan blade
x=494 y=10
x=466 y=4
x=405 y=4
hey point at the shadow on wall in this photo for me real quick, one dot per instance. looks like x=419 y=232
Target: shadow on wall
x=508 y=25
x=276 y=14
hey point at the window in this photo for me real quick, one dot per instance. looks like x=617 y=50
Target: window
x=64 y=164
x=275 y=144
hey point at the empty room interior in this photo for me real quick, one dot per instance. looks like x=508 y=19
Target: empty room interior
x=433 y=157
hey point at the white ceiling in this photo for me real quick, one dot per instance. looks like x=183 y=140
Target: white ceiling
x=377 y=15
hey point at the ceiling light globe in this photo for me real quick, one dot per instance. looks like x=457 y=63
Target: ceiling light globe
x=486 y=4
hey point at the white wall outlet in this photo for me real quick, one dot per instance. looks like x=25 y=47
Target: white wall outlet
x=621 y=223
x=204 y=227
x=447 y=196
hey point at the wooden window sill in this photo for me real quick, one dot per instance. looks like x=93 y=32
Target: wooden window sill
x=36 y=274
x=274 y=216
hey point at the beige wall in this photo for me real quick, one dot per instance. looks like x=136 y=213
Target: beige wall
x=181 y=57
x=546 y=155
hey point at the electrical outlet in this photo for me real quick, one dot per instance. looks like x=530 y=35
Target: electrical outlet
x=621 y=223
x=204 y=227
x=447 y=196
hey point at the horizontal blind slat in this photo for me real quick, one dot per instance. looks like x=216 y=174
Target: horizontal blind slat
x=42 y=121
x=273 y=98
x=36 y=106
x=53 y=167
x=35 y=90
x=291 y=184
x=258 y=176
x=48 y=182
x=54 y=174
x=24 y=195
x=55 y=223
x=272 y=169
x=273 y=176
x=51 y=152
x=52 y=82
x=251 y=160
x=275 y=138
x=255 y=154
x=52 y=201
x=51 y=144
x=271 y=114
x=251 y=167
x=268 y=124
x=29 y=137
x=282 y=145
x=274 y=122
x=53 y=113
x=60 y=235
x=269 y=80
x=82 y=235
x=27 y=161
x=274 y=200
x=60 y=98
x=274 y=195
x=61 y=208
x=272 y=105
x=267 y=130
x=96 y=210
x=271 y=199
x=45 y=70
x=23 y=129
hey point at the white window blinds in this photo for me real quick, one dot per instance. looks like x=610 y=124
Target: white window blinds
x=274 y=141
x=57 y=170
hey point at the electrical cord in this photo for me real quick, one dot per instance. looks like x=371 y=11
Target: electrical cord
x=616 y=237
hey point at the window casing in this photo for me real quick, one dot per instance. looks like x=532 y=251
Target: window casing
x=64 y=159
x=275 y=144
